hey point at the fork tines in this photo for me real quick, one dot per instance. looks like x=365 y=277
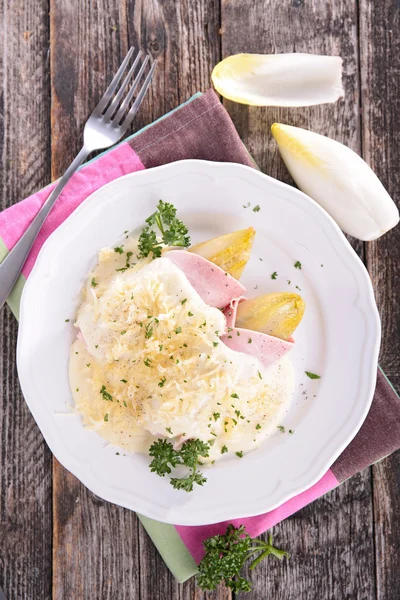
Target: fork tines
x=118 y=108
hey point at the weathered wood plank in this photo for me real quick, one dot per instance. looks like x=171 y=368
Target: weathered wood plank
x=100 y=550
x=95 y=547
x=380 y=70
x=331 y=541
x=95 y=544
x=25 y=461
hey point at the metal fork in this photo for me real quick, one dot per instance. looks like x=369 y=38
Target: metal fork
x=105 y=126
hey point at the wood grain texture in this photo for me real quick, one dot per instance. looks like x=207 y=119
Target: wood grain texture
x=100 y=550
x=25 y=461
x=331 y=541
x=380 y=80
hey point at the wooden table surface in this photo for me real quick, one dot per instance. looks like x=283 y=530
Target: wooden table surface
x=57 y=540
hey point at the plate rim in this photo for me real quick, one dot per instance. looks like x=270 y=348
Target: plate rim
x=144 y=507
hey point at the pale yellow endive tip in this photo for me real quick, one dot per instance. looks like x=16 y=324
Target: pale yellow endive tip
x=285 y=139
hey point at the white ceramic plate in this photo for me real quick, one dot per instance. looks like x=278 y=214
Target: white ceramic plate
x=338 y=338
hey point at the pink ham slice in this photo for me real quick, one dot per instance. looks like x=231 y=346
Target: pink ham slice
x=213 y=285
x=266 y=348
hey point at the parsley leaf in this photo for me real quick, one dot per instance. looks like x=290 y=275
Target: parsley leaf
x=119 y=249
x=297 y=264
x=105 y=394
x=312 y=375
x=225 y=556
x=274 y=275
x=148 y=243
x=165 y=457
x=173 y=231
x=187 y=483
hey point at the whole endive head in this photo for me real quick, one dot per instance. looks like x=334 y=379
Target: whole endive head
x=339 y=180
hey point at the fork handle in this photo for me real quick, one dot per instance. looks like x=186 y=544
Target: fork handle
x=12 y=265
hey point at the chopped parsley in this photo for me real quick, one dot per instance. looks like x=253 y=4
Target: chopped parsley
x=239 y=454
x=173 y=231
x=234 y=395
x=123 y=380
x=215 y=344
x=93 y=282
x=246 y=205
x=119 y=250
x=281 y=428
x=291 y=430
x=259 y=374
x=297 y=264
x=216 y=416
x=178 y=330
x=224 y=450
x=148 y=330
x=127 y=265
x=312 y=375
x=105 y=394
x=106 y=417
x=256 y=208
x=123 y=332
x=190 y=314
x=274 y=275
x=258 y=426
x=67 y=320
x=184 y=301
x=147 y=362
x=249 y=341
x=169 y=430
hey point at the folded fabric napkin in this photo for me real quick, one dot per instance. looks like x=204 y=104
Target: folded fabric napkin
x=200 y=128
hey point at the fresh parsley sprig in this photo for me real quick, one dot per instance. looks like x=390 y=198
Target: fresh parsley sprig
x=165 y=458
x=226 y=554
x=173 y=231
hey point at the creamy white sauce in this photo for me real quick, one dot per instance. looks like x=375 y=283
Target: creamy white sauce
x=150 y=363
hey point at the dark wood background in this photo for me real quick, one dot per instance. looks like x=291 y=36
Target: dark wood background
x=57 y=540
